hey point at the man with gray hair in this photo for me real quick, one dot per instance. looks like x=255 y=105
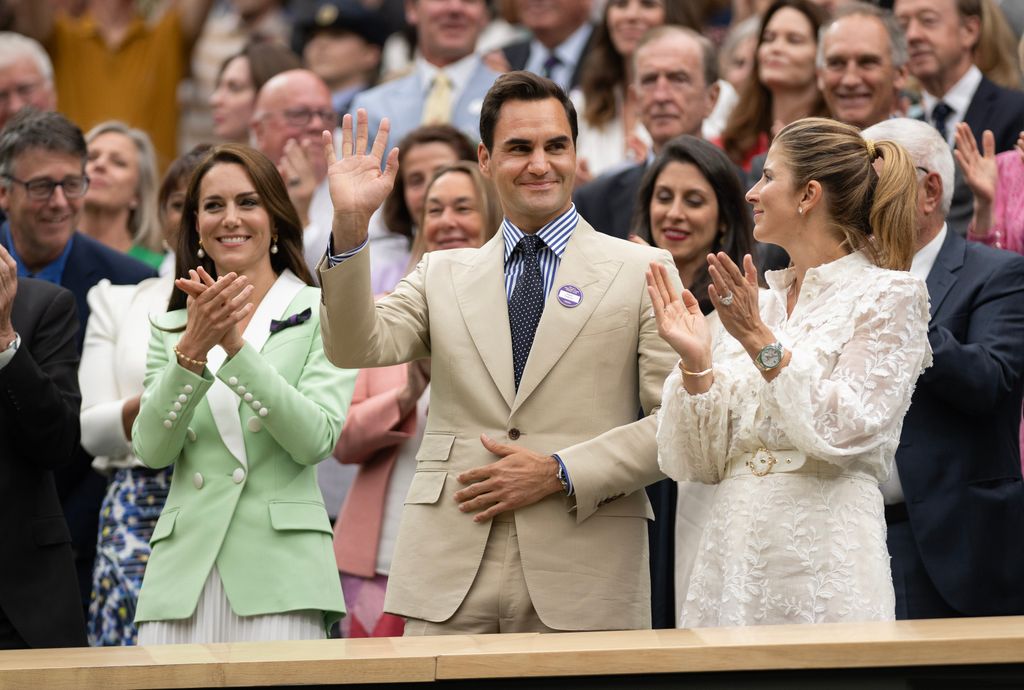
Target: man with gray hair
x=26 y=76
x=955 y=505
x=42 y=185
x=676 y=86
x=862 y=64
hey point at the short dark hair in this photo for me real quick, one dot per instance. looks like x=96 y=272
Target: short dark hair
x=284 y=219
x=735 y=234
x=521 y=86
x=32 y=129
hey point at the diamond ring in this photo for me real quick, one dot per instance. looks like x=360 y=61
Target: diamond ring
x=726 y=299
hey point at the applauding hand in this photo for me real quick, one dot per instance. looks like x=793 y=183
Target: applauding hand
x=979 y=167
x=358 y=187
x=680 y=321
x=215 y=308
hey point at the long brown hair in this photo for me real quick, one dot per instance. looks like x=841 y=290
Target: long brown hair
x=752 y=115
x=874 y=212
x=603 y=74
x=284 y=220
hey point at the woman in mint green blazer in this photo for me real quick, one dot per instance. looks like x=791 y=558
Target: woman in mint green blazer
x=240 y=398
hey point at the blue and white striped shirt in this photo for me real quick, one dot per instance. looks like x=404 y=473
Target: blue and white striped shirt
x=556 y=236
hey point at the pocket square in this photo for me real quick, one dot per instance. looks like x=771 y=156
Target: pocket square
x=293 y=320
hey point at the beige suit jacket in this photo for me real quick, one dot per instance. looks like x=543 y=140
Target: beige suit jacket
x=590 y=370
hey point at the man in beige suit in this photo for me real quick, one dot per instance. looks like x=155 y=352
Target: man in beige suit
x=526 y=512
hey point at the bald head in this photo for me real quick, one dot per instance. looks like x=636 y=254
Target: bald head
x=292 y=105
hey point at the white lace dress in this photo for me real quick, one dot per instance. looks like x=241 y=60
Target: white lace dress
x=808 y=546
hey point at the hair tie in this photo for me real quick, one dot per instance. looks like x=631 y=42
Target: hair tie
x=871 y=148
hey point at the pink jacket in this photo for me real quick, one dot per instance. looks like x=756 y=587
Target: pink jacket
x=372 y=436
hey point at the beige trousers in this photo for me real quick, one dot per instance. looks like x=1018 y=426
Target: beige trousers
x=498 y=600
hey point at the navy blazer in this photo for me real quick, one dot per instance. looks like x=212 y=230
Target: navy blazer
x=959 y=454
x=518 y=55
x=39 y=432
x=609 y=201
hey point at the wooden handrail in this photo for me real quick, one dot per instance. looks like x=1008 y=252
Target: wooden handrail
x=969 y=641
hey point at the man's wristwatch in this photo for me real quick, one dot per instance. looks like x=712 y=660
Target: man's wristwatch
x=562 y=479
x=769 y=357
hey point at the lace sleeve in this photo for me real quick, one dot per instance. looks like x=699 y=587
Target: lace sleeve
x=858 y=404
x=693 y=430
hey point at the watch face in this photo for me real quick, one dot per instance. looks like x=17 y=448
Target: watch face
x=771 y=356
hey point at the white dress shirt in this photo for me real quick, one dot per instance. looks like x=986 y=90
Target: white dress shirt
x=569 y=53
x=958 y=98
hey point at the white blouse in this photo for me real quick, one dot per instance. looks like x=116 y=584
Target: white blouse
x=794 y=547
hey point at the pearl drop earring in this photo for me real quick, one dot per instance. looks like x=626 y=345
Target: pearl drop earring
x=200 y=253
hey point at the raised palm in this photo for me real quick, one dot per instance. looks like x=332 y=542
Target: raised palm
x=979 y=167
x=357 y=184
x=680 y=321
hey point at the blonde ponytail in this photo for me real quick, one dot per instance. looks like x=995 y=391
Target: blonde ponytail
x=892 y=217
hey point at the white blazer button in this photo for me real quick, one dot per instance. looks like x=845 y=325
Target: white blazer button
x=197 y=480
x=172 y=414
x=238 y=475
x=168 y=424
x=191 y=434
x=264 y=411
x=240 y=389
x=256 y=405
x=254 y=424
x=247 y=397
x=176 y=406
x=183 y=398
x=188 y=388
x=233 y=381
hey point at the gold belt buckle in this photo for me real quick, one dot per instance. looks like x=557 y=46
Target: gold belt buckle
x=764 y=467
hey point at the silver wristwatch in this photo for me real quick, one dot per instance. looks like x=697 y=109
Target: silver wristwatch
x=769 y=357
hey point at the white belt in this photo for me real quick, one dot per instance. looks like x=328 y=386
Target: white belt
x=763 y=462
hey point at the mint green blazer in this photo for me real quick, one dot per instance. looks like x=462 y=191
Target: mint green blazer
x=244 y=444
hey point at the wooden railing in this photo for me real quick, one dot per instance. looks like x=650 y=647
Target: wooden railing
x=977 y=642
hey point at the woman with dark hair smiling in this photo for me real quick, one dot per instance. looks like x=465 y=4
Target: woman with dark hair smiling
x=241 y=400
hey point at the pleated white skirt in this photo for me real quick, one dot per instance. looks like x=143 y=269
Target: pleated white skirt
x=214 y=621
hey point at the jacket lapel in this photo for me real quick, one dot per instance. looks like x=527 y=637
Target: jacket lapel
x=581 y=267
x=480 y=290
x=942 y=277
x=224 y=404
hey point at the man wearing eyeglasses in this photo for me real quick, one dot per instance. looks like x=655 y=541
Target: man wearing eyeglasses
x=26 y=76
x=292 y=109
x=42 y=182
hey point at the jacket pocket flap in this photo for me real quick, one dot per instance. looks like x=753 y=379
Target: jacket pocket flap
x=435 y=447
x=164 y=525
x=426 y=487
x=295 y=515
x=47 y=531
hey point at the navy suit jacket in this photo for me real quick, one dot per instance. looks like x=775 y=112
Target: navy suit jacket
x=959 y=454
x=518 y=55
x=81 y=489
x=609 y=201
x=1000 y=110
x=39 y=432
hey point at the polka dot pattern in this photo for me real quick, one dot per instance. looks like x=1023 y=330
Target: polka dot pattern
x=527 y=304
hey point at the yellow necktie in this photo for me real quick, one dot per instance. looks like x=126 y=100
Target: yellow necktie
x=438 y=108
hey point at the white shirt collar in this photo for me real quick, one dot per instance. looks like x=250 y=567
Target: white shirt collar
x=925 y=257
x=459 y=72
x=958 y=98
x=569 y=52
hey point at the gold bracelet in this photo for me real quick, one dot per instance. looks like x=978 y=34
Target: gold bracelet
x=695 y=373
x=194 y=362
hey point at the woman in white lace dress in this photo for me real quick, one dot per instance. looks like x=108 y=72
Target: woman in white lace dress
x=794 y=402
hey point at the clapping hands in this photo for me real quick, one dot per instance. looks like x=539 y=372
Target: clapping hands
x=215 y=310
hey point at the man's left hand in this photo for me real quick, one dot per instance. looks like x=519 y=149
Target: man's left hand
x=520 y=478
x=8 y=289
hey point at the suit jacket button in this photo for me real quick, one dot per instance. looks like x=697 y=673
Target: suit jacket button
x=254 y=424
x=197 y=480
x=238 y=476
x=191 y=434
x=513 y=434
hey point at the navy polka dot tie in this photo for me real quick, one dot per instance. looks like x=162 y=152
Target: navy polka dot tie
x=527 y=304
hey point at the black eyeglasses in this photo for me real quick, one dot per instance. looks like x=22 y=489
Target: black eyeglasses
x=41 y=188
x=300 y=117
